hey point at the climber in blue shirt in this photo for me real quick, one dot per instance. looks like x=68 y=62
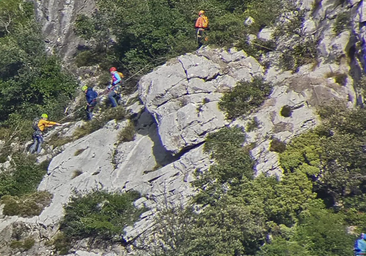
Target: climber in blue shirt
x=91 y=100
x=360 y=245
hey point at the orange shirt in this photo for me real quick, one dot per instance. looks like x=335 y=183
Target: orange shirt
x=201 y=22
x=42 y=124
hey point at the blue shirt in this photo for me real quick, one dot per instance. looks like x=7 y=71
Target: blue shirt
x=116 y=78
x=91 y=95
x=360 y=246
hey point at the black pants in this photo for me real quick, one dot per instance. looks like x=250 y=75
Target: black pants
x=201 y=36
x=89 y=110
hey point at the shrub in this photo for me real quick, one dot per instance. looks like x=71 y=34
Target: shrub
x=25 y=177
x=86 y=58
x=27 y=205
x=100 y=215
x=264 y=13
x=277 y=146
x=61 y=243
x=252 y=125
x=286 y=111
x=95 y=124
x=290 y=23
x=342 y=22
x=226 y=137
x=233 y=163
x=228 y=29
x=24 y=245
x=305 y=52
x=128 y=133
x=340 y=78
x=245 y=97
x=5 y=133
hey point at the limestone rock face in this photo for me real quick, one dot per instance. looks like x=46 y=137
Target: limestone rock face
x=57 y=18
x=183 y=94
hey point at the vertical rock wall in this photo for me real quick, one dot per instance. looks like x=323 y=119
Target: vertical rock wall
x=57 y=18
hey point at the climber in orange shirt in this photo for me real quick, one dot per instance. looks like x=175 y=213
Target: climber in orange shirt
x=201 y=27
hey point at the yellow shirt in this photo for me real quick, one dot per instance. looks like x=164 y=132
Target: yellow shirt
x=42 y=124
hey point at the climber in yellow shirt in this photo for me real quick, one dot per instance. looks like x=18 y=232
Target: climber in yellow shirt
x=39 y=125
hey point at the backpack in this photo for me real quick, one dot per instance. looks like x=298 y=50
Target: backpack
x=35 y=124
x=120 y=74
x=204 y=22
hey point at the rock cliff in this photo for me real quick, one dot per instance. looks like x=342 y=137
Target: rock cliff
x=57 y=19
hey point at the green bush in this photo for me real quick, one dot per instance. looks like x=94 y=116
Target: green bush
x=118 y=113
x=127 y=133
x=305 y=52
x=23 y=245
x=245 y=97
x=233 y=163
x=277 y=146
x=319 y=232
x=342 y=22
x=252 y=125
x=226 y=29
x=61 y=243
x=264 y=13
x=24 y=178
x=100 y=215
x=27 y=205
x=86 y=58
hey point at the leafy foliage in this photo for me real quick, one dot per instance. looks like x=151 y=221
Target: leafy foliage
x=252 y=125
x=233 y=164
x=26 y=206
x=149 y=32
x=31 y=82
x=342 y=22
x=127 y=133
x=23 y=245
x=264 y=12
x=100 y=215
x=245 y=97
x=324 y=169
x=321 y=167
x=277 y=146
x=24 y=178
x=286 y=111
x=118 y=113
x=319 y=232
x=332 y=155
